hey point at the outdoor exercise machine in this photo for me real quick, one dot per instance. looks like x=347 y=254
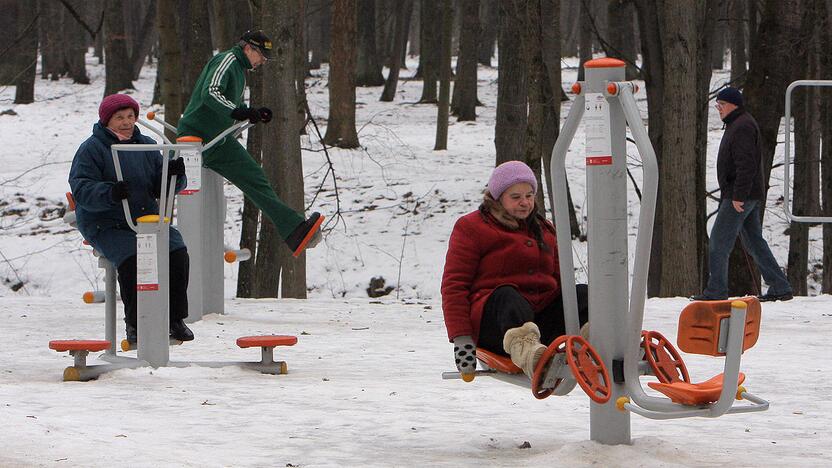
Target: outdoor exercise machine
x=722 y=328
x=152 y=240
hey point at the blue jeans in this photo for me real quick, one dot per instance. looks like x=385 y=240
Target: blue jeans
x=729 y=223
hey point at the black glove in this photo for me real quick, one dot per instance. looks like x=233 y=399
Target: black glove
x=265 y=114
x=246 y=113
x=176 y=167
x=120 y=191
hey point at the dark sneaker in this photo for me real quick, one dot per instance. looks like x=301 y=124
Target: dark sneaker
x=776 y=297
x=307 y=235
x=180 y=331
x=705 y=297
x=132 y=334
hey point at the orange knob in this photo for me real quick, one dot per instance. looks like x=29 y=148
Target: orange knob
x=612 y=89
x=576 y=88
x=151 y=115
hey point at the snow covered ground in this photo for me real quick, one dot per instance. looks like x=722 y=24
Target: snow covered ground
x=364 y=386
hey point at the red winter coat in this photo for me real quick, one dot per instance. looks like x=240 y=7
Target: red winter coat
x=484 y=255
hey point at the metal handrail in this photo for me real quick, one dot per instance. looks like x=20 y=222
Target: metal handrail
x=787 y=154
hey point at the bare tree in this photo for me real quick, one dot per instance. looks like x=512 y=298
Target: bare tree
x=429 y=60
x=464 y=103
x=282 y=163
x=340 y=130
x=738 y=22
x=396 y=59
x=195 y=41
x=170 y=63
x=512 y=91
x=368 y=69
x=678 y=29
x=117 y=60
x=75 y=44
x=826 y=155
x=444 y=77
x=25 y=56
x=489 y=13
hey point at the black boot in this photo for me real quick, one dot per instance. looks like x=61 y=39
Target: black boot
x=180 y=331
x=132 y=334
x=306 y=235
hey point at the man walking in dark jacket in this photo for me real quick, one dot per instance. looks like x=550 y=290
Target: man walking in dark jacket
x=740 y=175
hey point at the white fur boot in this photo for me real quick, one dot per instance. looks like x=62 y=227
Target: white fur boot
x=524 y=347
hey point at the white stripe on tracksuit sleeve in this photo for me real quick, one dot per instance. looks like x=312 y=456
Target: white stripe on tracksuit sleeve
x=216 y=80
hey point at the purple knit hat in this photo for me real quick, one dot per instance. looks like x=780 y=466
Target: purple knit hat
x=509 y=173
x=114 y=103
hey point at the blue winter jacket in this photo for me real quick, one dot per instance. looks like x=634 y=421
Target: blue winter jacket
x=92 y=176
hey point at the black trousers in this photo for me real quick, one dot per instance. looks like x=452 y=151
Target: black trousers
x=179 y=265
x=506 y=308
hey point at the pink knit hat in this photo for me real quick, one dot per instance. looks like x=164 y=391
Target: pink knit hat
x=509 y=173
x=114 y=103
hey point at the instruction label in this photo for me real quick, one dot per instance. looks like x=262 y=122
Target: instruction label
x=597 y=125
x=147 y=271
x=193 y=170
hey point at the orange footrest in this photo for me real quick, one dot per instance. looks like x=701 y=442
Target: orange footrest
x=497 y=362
x=701 y=393
x=266 y=341
x=79 y=345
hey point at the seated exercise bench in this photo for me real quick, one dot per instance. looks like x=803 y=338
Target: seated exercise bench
x=267 y=343
x=79 y=349
x=704 y=330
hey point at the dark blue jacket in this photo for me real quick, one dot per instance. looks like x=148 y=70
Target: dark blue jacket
x=739 y=166
x=92 y=176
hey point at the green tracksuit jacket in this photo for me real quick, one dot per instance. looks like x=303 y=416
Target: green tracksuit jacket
x=218 y=91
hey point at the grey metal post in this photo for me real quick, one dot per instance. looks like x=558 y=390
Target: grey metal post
x=606 y=160
x=788 y=154
x=189 y=221
x=109 y=303
x=153 y=296
x=213 y=220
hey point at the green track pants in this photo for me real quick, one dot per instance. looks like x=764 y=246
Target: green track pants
x=232 y=161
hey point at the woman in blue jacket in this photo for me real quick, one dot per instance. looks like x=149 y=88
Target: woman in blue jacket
x=98 y=196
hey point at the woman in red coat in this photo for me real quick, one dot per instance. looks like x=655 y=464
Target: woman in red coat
x=501 y=285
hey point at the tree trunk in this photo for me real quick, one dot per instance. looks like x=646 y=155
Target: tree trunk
x=678 y=28
x=429 y=60
x=622 y=33
x=284 y=168
x=489 y=14
x=51 y=46
x=368 y=71
x=75 y=45
x=464 y=104
x=413 y=37
x=737 y=31
x=251 y=214
x=147 y=36
x=512 y=87
x=195 y=39
x=25 y=56
x=584 y=38
x=719 y=35
x=826 y=147
x=706 y=21
x=170 y=63
x=340 y=130
x=653 y=72
x=117 y=60
x=444 y=77
x=399 y=42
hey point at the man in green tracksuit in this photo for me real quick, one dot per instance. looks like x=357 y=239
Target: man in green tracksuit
x=216 y=103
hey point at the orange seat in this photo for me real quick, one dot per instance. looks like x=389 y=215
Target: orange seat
x=79 y=345
x=701 y=393
x=266 y=341
x=699 y=326
x=499 y=363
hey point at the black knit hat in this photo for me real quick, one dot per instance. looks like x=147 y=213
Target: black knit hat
x=732 y=95
x=260 y=40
